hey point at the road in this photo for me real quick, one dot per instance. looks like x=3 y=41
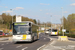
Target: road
x=24 y=45
x=43 y=39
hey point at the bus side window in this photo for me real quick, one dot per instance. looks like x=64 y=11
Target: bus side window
x=29 y=24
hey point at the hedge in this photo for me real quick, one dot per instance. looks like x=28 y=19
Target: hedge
x=65 y=34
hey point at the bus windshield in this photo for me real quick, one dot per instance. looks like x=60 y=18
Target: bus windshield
x=54 y=30
x=20 y=29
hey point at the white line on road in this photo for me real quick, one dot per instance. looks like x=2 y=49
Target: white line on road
x=18 y=46
x=25 y=48
x=2 y=44
x=44 y=38
x=1 y=48
x=51 y=39
x=63 y=49
x=41 y=47
x=53 y=42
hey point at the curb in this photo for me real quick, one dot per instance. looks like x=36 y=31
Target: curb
x=71 y=37
x=71 y=41
x=3 y=39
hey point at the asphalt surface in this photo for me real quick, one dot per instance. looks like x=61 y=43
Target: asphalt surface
x=43 y=39
x=60 y=45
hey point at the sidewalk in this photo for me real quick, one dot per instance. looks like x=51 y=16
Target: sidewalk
x=4 y=38
x=60 y=45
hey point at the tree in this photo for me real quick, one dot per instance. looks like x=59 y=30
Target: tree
x=35 y=21
x=69 y=23
x=7 y=19
x=48 y=24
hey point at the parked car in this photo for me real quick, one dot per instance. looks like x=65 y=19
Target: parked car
x=1 y=33
x=47 y=31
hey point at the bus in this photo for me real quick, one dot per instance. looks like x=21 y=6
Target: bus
x=25 y=31
x=53 y=31
x=1 y=33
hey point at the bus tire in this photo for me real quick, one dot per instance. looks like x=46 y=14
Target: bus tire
x=32 y=39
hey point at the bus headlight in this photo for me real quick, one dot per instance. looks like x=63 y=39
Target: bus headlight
x=28 y=37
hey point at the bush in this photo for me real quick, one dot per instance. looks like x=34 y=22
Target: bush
x=69 y=35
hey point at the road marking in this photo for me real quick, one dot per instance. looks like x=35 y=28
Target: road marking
x=44 y=38
x=51 y=39
x=25 y=48
x=18 y=46
x=63 y=49
x=41 y=47
x=53 y=42
x=57 y=47
x=2 y=44
x=1 y=48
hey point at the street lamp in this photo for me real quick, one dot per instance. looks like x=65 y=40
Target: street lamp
x=62 y=20
x=51 y=23
x=12 y=21
x=12 y=15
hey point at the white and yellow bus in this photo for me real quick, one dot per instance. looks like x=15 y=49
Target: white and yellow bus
x=53 y=31
x=25 y=31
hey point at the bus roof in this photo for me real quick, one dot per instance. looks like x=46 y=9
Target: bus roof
x=27 y=22
x=24 y=22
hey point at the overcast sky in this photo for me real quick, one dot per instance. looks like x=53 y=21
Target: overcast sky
x=39 y=9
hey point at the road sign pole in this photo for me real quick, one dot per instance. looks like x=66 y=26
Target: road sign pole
x=62 y=20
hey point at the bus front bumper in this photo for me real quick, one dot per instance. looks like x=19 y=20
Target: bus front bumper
x=20 y=40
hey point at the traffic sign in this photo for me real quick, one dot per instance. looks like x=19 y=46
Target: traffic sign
x=63 y=30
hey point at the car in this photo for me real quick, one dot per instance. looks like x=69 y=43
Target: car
x=47 y=32
x=1 y=33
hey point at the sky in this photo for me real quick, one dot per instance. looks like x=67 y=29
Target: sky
x=43 y=10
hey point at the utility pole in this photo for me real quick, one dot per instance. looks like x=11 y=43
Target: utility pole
x=12 y=21
x=62 y=20
x=51 y=23
x=12 y=17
